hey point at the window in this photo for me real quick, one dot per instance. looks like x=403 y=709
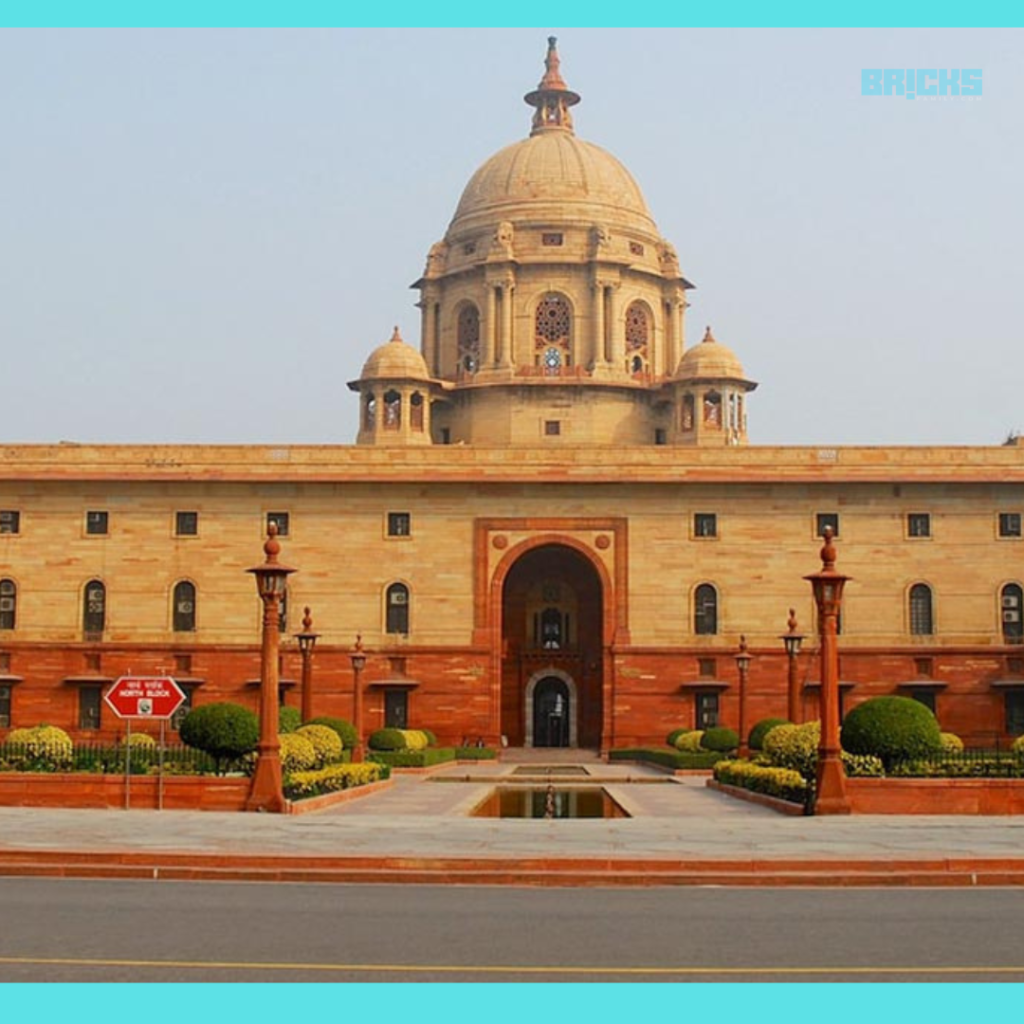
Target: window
x=94 y=610
x=1011 y=606
x=553 y=334
x=184 y=607
x=5 y=707
x=925 y=697
x=182 y=664
x=552 y=428
x=824 y=519
x=638 y=333
x=8 y=604
x=551 y=238
x=89 y=705
x=636 y=248
x=705 y=524
x=1015 y=712
x=96 y=523
x=921 y=610
x=706 y=716
x=416 y=407
x=185 y=707
x=468 y=338
x=280 y=520
x=1009 y=524
x=919 y=524
x=924 y=667
x=399 y=524
x=396 y=709
x=397 y=615
x=10 y=521
x=707 y=668
x=705 y=610
x=446 y=435
x=186 y=524
x=660 y=436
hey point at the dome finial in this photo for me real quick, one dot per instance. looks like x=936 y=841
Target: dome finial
x=552 y=97
x=708 y=336
x=396 y=335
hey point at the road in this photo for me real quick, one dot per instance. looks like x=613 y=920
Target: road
x=83 y=930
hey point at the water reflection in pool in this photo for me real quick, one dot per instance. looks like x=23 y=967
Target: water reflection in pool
x=548 y=802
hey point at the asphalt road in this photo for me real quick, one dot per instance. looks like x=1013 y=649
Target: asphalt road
x=81 y=930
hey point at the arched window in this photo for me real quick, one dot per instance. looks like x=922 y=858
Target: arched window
x=468 y=337
x=8 y=604
x=397 y=614
x=416 y=412
x=369 y=411
x=921 y=610
x=392 y=410
x=184 y=607
x=713 y=409
x=553 y=334
x=687 y=412
x=638 y=332
x=705 y=610
x=94 y=608
x=1012 y=607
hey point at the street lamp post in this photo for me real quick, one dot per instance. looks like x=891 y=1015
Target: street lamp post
x=358 y=659
x=792 y=641
x=743 y=659
x=307 y=641
x=266 y=792
x=827 y=584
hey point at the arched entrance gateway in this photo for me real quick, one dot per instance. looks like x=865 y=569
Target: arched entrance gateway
x=552 y=664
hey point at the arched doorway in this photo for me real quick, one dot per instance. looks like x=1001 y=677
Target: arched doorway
x=552 y=649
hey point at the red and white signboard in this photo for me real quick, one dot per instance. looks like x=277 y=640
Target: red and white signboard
x=144 y=697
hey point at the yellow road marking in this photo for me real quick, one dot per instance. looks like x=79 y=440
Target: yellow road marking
x=494 y=968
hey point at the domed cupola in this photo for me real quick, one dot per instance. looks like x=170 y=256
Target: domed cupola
x=395 y=390
x=708 y=387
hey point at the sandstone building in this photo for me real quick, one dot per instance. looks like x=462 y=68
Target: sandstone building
x=551 y=527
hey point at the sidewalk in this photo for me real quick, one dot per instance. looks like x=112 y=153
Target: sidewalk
x=419 y=830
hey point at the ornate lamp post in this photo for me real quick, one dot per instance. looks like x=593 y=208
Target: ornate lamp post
x=266 y=793
x=743 y=659
x=358 y=659
x=307 y=641
x=827 y=585
x=792 y=641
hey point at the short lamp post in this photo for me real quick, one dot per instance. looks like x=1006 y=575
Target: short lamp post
x=792 y=641
x=743 y=659
x=307 y=641
x=358 y=659
x=827 y=584
x=266 y=792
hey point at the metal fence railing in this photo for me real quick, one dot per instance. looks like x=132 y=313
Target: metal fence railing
x=107 y=758
x=976 y=762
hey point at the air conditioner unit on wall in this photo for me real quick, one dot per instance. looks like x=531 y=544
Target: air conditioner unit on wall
x=1011 y=616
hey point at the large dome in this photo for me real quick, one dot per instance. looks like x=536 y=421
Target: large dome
x=552 y=175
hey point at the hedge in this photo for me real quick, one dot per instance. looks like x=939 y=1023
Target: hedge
x=892 y=728
x=335 y=777
x=689 y=741
x=783 y=783
x=674 y=759
x=412 y=758
x=326 y=743
x=288 y=720
x=720 y=738
x=755 y=739
x=344 y=728
x=475 y=753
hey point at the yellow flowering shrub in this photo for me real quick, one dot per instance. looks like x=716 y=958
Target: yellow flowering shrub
x=297 y=753
x=784 y=783
x=42 y=748
x=143 y=741
x=951 y=743
x=690 y=741
x=415 y=739
x=326 y=743
x=333 y=778
x=1018 y=745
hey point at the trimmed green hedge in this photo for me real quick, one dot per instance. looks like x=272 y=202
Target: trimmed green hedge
x=475 y=753
x=668 y=758
x=782 y=783
x=720 y=739
x=892 y=728
x=412 y=758
x=387 y=740
x=288 y=720
x=761 y=729
x=344 y=728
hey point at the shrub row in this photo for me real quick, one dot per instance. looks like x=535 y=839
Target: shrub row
x=475 y=753
x=401 y=739
x=668 y=758
x=335 y=777
x=783 y=783
x=412 y=758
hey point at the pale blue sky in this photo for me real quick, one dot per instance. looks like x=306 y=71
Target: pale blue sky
x=192 y=221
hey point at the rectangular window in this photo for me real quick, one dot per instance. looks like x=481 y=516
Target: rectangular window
x=636 y=248
x=1009 y=524
x=552 y=428
x=10 y=521
x=705 y=524
x=182 y=664
x=660 y=435
x=925 y=697
x=919 y=524
x=5 y=707
x=96 y=523
x=1015 y=712
x=399 y=524
x=186 y=524
x=707 y=710
x=924 y=667
x=280 y=520
x=707 y=667
x=396 y=709
x=551 y=238
x=89 y=702
x=824 y=519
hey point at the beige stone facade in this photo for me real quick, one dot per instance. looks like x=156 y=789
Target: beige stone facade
x=553 y=497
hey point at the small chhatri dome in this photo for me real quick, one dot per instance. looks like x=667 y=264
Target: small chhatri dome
x=552 y=97
x=709 y=361
x=395 y=360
